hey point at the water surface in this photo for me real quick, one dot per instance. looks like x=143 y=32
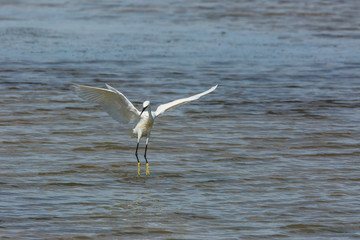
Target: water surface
x=273 y=153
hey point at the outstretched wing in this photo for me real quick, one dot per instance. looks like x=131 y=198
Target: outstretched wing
x=111 y=100
x=167 y=106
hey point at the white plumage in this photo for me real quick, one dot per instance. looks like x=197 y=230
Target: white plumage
x=123 y=111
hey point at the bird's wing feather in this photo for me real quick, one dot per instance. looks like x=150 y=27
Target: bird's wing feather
x=167 y=106
x=111 y=100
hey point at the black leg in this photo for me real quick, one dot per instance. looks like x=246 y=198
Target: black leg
x=145 y=153
x=136 y=154
x=137 y=158
x=147 y=164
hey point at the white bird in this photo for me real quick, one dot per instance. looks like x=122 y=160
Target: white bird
x=123 y=111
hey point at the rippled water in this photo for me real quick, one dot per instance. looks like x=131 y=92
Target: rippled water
x=273 y=153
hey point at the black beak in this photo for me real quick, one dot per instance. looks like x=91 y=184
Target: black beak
x=142 y=111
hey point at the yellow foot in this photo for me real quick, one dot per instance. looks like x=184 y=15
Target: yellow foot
x=147 y=169
x=139 y=168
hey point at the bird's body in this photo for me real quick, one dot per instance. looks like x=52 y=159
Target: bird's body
x=143 y=127
x=122 y=110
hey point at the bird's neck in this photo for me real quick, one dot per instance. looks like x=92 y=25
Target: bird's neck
x=149 y=111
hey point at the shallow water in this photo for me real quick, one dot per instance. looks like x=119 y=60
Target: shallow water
x=273 y=153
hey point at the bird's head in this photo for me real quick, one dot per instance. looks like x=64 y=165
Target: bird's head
x=145 y=106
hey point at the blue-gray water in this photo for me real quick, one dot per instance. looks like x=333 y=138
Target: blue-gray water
x=273 y=153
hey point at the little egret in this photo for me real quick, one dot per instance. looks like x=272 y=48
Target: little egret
x=122 y=110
